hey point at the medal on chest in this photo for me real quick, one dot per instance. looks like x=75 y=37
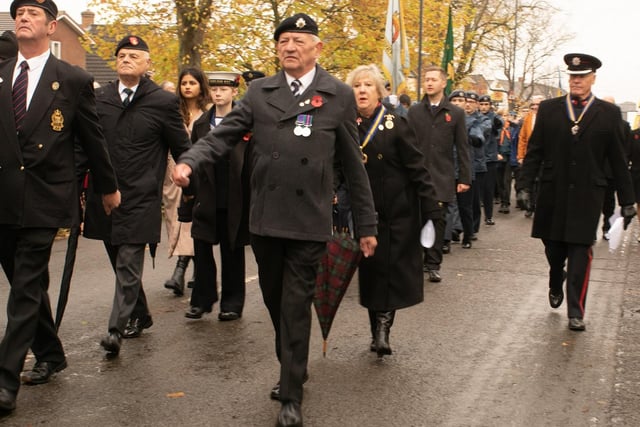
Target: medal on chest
x=304 y=122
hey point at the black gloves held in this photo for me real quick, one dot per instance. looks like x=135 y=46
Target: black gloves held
x=627 y=212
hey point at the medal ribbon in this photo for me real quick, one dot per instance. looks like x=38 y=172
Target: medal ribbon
x=572 y=114
x=374 y=128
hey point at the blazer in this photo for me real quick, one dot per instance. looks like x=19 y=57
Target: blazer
x=37 y=165
x=292 y=175
x=573 y=180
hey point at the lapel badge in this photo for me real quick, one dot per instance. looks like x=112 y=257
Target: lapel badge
x=389 y=121
x=57 y=120
x=1 y=80
x=55 y=85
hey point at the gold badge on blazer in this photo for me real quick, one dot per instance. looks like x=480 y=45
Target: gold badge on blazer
x=57 y=120
x=55 y=85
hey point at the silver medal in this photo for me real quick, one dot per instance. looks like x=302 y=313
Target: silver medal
x=297 y=131
x=575 y=129
x=306 y=131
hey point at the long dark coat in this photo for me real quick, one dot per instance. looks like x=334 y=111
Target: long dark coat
x=292 y=182
x=37 y=166
x=573 y=180
x=237 y=191
x=138 y=138
x=401 y=186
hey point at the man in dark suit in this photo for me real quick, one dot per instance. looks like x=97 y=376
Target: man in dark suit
x=48 y=105
x=303 y=121
x=575 y=136
x=441 y=131
x=141 y=123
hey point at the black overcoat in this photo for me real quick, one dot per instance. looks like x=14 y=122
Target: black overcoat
x=573 y=180
x=37 y=165
x=402 y=188
x=138 y=138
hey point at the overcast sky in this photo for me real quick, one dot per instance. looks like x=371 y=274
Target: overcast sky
x=606 y=29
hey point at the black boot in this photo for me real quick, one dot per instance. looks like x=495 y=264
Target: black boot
x=384 y=320
x=372 y=323
x=177 y=280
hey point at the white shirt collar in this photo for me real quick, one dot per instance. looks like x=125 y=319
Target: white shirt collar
x=306 y=80
x=35 y=64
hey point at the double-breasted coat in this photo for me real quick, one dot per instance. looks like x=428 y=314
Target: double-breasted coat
x=403 y=196
x=573 y=179
x=292 y=182
x=138 y=138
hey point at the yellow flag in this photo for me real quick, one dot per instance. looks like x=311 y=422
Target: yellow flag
x=395 y=58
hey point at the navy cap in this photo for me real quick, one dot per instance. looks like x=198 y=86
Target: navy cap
x=8 y=45
x=298 y=23
x=48 y=6
x=484 y=98
x=458 y=93
x=252 y=75
x=471 y=95
x=581 y=63
x=223 y=78
x=132 y=42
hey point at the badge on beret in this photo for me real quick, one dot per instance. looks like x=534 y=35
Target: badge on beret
x=133 y=40
x=57 y=120
x=55 y=86
x=300 y=23
x=40 y=1
x=575 y=61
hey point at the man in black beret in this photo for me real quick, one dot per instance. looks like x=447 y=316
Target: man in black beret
x=8 y=45
x=574 y=137
x=39 y=135
x=303 y=123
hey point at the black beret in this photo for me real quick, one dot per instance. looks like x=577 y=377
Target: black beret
x=458 y=93
x=48 y=5
x=484 y=98
x=8 y=45
x=581 y=63
x=223 y=78
x=471 y=95
x=298 y=23
x=132 y=42
x=252 y=75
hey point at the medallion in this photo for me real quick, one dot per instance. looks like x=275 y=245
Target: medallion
x=575 y=129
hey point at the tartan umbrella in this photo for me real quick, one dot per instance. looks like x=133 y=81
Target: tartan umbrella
x=335 y=271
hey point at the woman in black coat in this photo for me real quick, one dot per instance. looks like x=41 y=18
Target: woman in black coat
x=404 y=197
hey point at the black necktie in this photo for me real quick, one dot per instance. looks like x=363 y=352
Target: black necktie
x=127 y=100
x=20 y=94
x=295 y=87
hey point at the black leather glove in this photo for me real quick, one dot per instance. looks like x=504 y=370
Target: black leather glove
x=627 y=212
x=185 y=210
x=523 y=198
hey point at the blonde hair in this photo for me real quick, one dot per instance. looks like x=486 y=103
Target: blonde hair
x=372 y=71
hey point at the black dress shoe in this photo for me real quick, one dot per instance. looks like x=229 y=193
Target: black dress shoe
x=134 y=327
x=576 y=324
x=446 y=248
x=489 y=221
x=112 y=342
x=466 y=245
x=195 y=312
x=7 y=400
x=275 y=390
x=434 y=276
x=228 y=315
x=290 y=415
x=555 y=298
x=42 y=372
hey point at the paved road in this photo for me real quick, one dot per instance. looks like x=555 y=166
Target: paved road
x=484 y=349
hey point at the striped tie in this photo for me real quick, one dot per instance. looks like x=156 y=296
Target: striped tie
x=127 y=100
x=20 y=94
x=295 y=87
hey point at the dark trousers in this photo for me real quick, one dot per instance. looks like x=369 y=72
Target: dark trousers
x=129 y=301
x=504 y=181
x=609 y=205
x=287 y=272
x=578 y=259
x=205 y=292
x=24 y=255
x=477 y=190
x=489 y=189
x=433 y=255
x=465 y=209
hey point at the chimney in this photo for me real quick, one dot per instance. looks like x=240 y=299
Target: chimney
x=87 y=18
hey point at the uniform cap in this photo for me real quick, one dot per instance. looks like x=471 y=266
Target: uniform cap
x=298 y=23
x=132 y=42
x=458 y=93
x=223 y=78
x=484 y=98
x=581 y=63
x=252 y=75
x=471 y=95
x=48 y=5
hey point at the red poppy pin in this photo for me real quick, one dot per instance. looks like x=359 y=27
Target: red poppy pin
x=447 y=118
x=316 y=101
x=247 y=137
x=636 y=136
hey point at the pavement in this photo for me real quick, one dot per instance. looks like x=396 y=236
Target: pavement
x=484 y=349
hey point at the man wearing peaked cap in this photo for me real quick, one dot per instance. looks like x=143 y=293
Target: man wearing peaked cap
x=577 y=138
x=303 y=120
x=8 y=45
x=47 y=5
x=40 y=195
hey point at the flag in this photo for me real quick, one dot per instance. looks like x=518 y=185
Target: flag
x=559 y=83
x=395 y=58
x=447 y=56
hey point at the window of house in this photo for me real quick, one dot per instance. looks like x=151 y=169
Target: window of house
x=56 y=49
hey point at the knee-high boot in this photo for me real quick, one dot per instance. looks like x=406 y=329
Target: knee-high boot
x=384 y=320
x=176 y=283
x=373 y=322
